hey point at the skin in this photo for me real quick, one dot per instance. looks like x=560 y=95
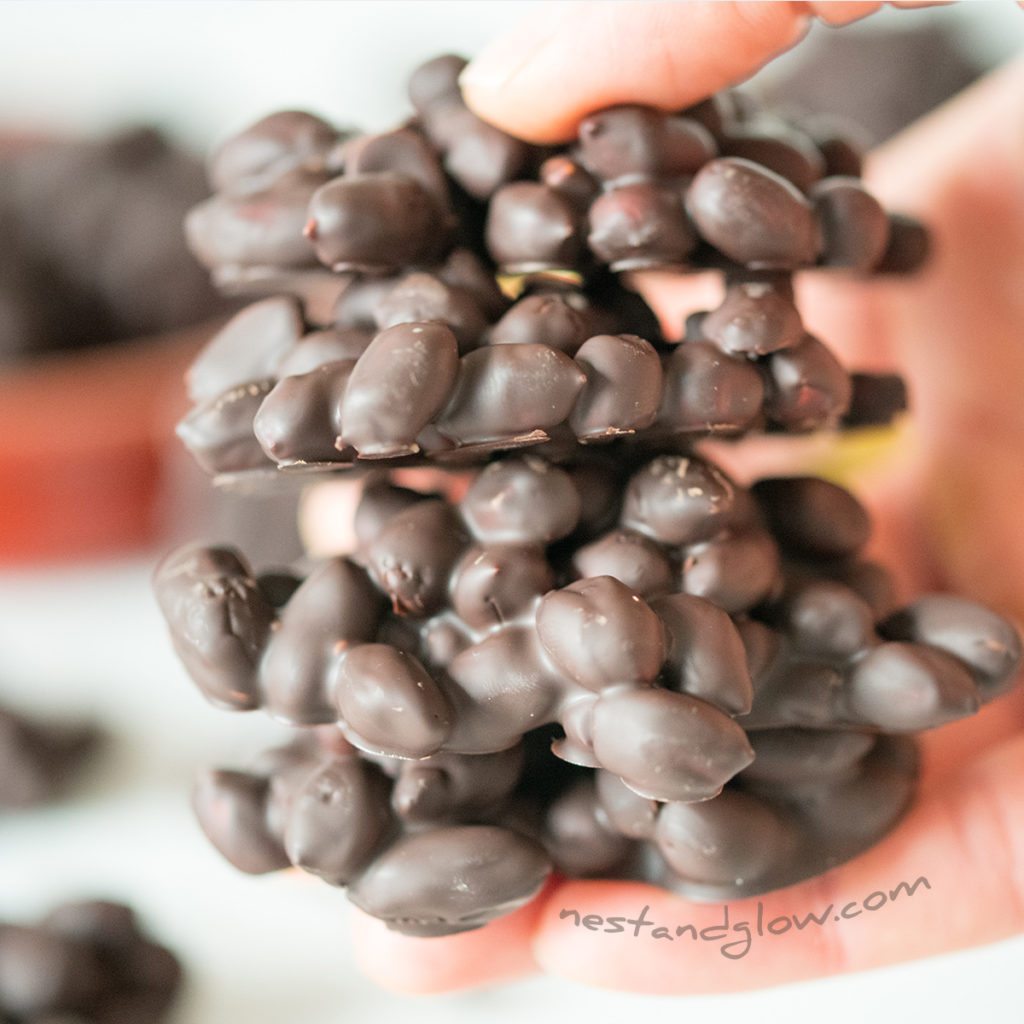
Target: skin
x=946 y=505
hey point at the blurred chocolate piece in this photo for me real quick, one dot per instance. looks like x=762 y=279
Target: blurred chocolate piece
x=93 y=250
x=908 y=247
x=267 y=149
x=249 y=347
x=38 y=760
x=807 y=387
x=556 y=319
x=638 y=142
x=854 y=226
x=753 y=215
x=754 y=319
x=256 y=229
x=639 y=226
x=219 y=431
x=777 y=146
x=813 y=516
x=875 y=399
x=88 y=961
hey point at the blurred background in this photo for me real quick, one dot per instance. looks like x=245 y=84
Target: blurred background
x=93 y=488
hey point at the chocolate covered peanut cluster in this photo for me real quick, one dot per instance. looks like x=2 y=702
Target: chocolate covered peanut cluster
x=728 y=685
x=698 y=643
x=86 y=962
x=390 y=339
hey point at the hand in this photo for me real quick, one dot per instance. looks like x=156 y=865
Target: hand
x=947 y=514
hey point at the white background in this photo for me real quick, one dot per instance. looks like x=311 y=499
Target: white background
x=87 y=640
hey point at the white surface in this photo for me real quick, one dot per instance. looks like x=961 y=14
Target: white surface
x=275 y=950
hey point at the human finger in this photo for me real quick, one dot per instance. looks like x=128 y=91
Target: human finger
x=561 y=62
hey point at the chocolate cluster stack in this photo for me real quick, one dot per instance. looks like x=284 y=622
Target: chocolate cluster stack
x=587 y=649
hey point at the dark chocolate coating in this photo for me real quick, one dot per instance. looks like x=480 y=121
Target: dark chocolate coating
x=828 y=619
x=732 y=840
x=622 y=386
x=630 y=813
x=500 y=688
x=450 y=786
x=521 y=501
x=219 y=621
x=337 y=819
x=640 y=225
x=265 y=150
x=876 y=399
x=334 y=607
x=480 y=157
x=505 y=391
x=219 y=432
x=704 y=653
x=249 y=347
x=398 y=384
x=899 y=687
x=753 y=320
x=854 y=226
x=677 y=499
x=555 y=319
x=531 y=227
x=807 y=388
x=753 y=215
x=986 y=643
x=812 y=516
x=908 y=249
x=667 y=745
x=298 y=419
x=632 y=141
x=630 y=558
x=435 y=81
x=411 y=557
x=426 y=297
x=569 y=178
x=778 y=147
x=380 y=501
x=705 y=391
x=390 y=702
x=261 y=228
x=578 y=837
x=451 y=879
x=601 y=634
x=495 y=584
x=785 y=756
x=403 y=151
x=231 y=808
x=374 y=222
x=736 y=570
